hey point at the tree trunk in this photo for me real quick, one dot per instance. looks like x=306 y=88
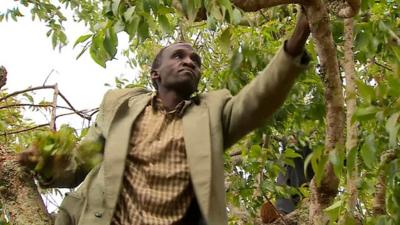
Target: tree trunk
x=322 y=195
x=19 y=197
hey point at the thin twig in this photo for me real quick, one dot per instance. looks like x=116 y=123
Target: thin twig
x=54 y=109
x=197 y=38
x=235 y=153
x=24 y=130
x=33 y=105
x=79 y=113
x=95 y=110
x=383 y=66
x=26 y=90
x=70 y=105
x=45 y=80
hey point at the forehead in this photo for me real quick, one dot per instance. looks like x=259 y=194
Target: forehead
x=178 y=47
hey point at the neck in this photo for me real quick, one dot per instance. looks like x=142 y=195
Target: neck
x=170 y=98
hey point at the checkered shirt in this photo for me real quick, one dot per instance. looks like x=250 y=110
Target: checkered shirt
x=156 y=187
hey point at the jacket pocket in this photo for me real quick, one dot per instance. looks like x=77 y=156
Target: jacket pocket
x=70 y=209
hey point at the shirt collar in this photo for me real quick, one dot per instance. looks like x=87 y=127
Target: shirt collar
x=157 y=105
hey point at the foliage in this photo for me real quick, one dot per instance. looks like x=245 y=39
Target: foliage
x=235 y=45
x=59 y=146
x=11 y=119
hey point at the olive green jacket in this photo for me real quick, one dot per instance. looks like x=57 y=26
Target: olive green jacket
x=211 y=126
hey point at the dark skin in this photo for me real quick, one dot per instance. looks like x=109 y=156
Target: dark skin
x=179 y=74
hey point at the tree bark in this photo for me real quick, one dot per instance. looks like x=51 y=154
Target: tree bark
x=19 y=197
x=297 y=217
x=379 y=207
x=322 y=195
x=352 y=131
x=3 y=76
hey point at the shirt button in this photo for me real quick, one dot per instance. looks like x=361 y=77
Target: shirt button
x=98 y=214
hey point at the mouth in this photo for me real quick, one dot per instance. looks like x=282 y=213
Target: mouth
x=187 y=70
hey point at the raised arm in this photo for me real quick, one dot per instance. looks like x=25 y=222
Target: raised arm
x=265 y=94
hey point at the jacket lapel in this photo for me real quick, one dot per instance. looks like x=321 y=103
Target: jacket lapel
x=117 y=145
x=198 y=149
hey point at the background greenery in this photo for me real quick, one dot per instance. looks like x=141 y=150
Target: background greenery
x=235 y=45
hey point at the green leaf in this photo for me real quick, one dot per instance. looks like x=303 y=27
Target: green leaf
x=290 y=153
x=164 y=23
x=392 y=127
x=255 y=151
x=29 y=97
x=143 y=30
x=365 y=113
x=48 y=148
x=115 y=5
x=132 y=27
x=54 y=40
x=366 y=91
x=368 y=151
x=333 y=210
x=216 y=13
x=236 y=16
x=236 y=60
x=129 y=13
x=226 y=5
x=191 y=7
x=307 y=162
x=351 y=159
x=111 y=42
x=62 y=37
x=82 y=38
x=97 y=51
x=336 y=157
x=225 y=39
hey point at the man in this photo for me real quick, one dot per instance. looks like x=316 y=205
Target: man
x=163 y=152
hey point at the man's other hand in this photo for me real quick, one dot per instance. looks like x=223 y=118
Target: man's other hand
x=29 y=158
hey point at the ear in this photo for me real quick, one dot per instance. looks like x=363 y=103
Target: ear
x=154 y=75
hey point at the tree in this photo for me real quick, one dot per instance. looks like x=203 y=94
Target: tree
x=237 y=38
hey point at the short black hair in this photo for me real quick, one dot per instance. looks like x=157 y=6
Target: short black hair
x=156 y=64
x=157 y=60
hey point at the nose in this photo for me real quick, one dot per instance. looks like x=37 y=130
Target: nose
x=187 y=61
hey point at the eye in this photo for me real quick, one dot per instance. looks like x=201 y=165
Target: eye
x=196 y=59
x=177 y=56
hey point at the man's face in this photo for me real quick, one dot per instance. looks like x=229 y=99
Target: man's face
x=179 y=69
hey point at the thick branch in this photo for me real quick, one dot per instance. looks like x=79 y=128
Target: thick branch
x=323 y=195
x=3 y=76
x=19 y=196
x=379 y=207
x=344 y=9
x=351 y=102
x=255 y=5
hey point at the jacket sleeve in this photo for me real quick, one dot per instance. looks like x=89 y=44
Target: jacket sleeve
x=70 y=171
x=259 y=99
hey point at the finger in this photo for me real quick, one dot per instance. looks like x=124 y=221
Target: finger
x=28 y=158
